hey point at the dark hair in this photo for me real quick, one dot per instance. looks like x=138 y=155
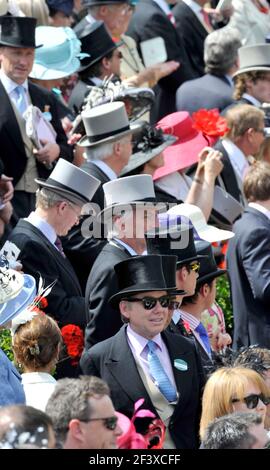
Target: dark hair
x=36 y=342
x=18 y=419
x=192 y=299
x=94 y=70
x=70 y=400
x=231 y=431
x=257 y=182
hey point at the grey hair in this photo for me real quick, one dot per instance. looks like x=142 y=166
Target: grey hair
x=102 y=151
x=45 y=198
x=221 y=50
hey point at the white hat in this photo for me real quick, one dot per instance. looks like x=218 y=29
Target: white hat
x=194 y=214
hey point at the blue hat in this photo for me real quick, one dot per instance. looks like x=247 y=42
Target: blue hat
x=17 y=291
x=59 y=56
x=66 y=6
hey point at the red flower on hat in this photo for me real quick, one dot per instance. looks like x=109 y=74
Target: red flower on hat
x=74 y=341
x=209 y=122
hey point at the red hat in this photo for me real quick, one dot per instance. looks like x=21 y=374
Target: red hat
x=184 y=152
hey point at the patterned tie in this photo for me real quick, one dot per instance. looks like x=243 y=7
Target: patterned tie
x=20 y=99
x=158 y=373
x=59 y=246
x=204 y=337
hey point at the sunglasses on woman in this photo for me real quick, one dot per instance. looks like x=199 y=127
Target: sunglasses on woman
x=150 y=302
x=109 y=423
x=252 y=400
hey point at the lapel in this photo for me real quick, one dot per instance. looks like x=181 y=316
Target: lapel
x=8 y=119
x=94 y=170
x=196 y=23
x=123 y=367
x=65 y=265
x=228 y=175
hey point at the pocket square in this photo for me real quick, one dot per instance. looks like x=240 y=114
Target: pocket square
x=180 y=365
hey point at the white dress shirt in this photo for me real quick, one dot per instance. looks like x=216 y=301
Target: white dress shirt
x=176 y=184
x=253 y=100
x=237 y=158
x=105 y=168
x=38 y=387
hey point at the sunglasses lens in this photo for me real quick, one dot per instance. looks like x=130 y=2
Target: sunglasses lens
x=149 y=303
x=164 y=302
x=195 y=266
x=252 y=401
x=111 y=423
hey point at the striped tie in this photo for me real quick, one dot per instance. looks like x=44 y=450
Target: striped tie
x=158 y=373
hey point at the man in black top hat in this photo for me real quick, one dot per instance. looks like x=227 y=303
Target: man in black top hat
x=104 y=61
x=144 y=361
x=21 y=160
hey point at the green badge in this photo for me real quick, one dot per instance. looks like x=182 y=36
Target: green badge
x=180 y=365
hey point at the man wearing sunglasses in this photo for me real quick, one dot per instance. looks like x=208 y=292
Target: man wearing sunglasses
x=83 y=414
x=144 y=361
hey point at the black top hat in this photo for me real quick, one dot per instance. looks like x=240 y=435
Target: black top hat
x=177 y=241
x=18 y=31
x=89 y=3
x=143 y=274
x=65 y=6
x=208 y=269
x=95 y=41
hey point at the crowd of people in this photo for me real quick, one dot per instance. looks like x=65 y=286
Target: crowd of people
x=134 y=174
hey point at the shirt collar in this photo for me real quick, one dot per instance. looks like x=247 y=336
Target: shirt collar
x=252 y=100
x=9 y=84
x=138 y=342
x=190 y=319
x=237 y=157
x=230 y=80
x=47 y=230
x=90 y=18
x=259 y=208
x=105 y=168
x=127 y=247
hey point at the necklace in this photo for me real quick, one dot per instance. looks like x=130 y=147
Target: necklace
x=134 y=65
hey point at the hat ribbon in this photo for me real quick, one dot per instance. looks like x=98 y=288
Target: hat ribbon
x=96 y=138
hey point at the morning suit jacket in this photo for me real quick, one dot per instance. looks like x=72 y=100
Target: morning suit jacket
x=103 y=321
x=81 y=251
x=147 y=22
x=12 y=147
x=248 y=263
x=40 y=258
x=206 y=92
x=193 y=33
x=11 y=389
x=228 y=173
x=112 y=360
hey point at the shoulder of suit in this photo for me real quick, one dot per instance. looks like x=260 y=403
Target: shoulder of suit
x=183 y=343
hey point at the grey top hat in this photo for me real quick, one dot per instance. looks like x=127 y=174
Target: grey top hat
x=150 y=144
x=121 y=193
x=106 y=123
x=254 y=58
x=71 y=182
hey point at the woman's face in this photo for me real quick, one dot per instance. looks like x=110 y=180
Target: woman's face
x=247 y=404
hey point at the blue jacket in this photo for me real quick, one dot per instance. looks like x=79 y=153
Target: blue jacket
x=11 y=390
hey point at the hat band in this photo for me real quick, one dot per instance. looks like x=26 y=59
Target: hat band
x=65 y=188
x=96 y=138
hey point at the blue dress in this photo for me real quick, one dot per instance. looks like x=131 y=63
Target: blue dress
x=11 y=390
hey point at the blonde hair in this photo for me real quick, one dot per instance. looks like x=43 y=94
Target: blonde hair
x=242 y=117
x=36 y=9
x=223 y=385
x=240 y=80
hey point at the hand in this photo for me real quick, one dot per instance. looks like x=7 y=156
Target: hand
x=223 y=341
x=210 y=164
x=6 y=212
x=163 y=69
x=201 y=159
x=67 y=124
x=6 y=188
x=74 y=138
x=48 y=153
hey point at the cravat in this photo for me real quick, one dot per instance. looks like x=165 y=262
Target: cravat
x=158 y=373
x=59 y=246
x=206 y=20
x=20 y=99
x=204 y=337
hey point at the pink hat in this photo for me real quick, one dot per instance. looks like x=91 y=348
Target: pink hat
x=130 y=439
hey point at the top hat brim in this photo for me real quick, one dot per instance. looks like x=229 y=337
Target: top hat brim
x=115 y=299
x=94 y=61
x=20 y=46
x=69 y=195
x=210 y=276
x=140 y=158
x=180 y=263
x=134 y=127
x=13 y=307
x=259 y=68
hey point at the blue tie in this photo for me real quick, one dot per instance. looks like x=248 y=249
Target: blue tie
x=158 y=373
x=204 y=337
x=20 y=99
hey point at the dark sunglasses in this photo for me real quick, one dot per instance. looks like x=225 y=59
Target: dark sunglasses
x=252 y=400
x=109 y=423
x=195 y=266
x=150 y=302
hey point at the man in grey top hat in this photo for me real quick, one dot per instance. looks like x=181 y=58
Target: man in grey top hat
x=59 y=203
x=107 y=147
x=130 y=211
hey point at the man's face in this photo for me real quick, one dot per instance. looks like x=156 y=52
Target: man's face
x=17 y=62
x=115 y=17
x=256 y=138
x=69 y=215
x=116 y=62
x=211 y=296
x=147 y=323
x=187 y=279
x=260 y=89
x=95 y=433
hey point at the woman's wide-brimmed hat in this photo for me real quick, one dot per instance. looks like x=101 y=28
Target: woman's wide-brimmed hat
x=106 y=123
x=71 y=182
x=59 y=55
x=149 y=143
x=18 y=31
x=17 y=290
x=184 y=152
x=254 y=58
x=142 y=274
x=208 y=267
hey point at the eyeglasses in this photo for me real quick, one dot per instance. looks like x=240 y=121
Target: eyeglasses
x=195 y=266
x=79 y=216
x=109 y=423
x=252 y=400
x=261 y=131
x=150 y=302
